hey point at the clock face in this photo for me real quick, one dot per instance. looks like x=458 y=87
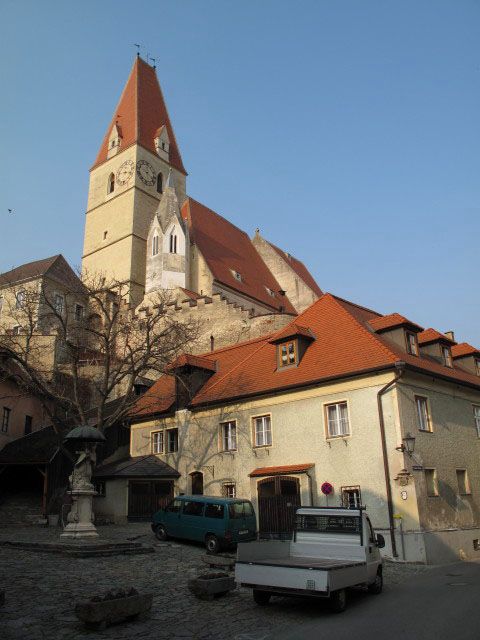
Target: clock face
x=125 y=172
x=146 y=173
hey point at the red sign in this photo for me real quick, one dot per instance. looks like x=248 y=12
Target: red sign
x=326 y=488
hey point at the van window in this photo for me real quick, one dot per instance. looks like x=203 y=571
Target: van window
x=174 y=506
x=240 y=510
x=214 y=511
x=193 y=508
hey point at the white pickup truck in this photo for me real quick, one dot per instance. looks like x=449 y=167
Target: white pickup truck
x=331 y=549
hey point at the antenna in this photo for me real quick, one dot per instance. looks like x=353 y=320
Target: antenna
x=138 y=48
x=154 y=62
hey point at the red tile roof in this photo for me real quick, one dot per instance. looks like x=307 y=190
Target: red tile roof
x=278 y=471
x=299 y=268
x=464 y=349
x=344 y=346
x=431 y=335
x=191 y=294
x=141 y=112
x=56 y=268
x=291 y=331
x=187 y=359
x=393 y=320
x=227 y=248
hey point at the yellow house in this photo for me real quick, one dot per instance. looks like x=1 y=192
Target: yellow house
x=342 y=406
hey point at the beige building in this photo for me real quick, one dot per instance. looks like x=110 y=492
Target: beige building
x=335 y=397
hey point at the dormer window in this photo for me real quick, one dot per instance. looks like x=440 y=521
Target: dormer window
x=111 y=183
x=477 y=366
x=236 y=275
x=162 y=142
x=287 y=353
x=270 y=292
x=412 y=346
x=446 y=356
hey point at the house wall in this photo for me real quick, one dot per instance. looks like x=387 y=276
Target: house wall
x=20 y=405
x=113 y=506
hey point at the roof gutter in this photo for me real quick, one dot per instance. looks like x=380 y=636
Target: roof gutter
x=400 y=366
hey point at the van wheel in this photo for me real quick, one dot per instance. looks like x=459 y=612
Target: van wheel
x=376 y=587
x=161 y=533
x=338 y=601
x=261 y=597
x=212 y=544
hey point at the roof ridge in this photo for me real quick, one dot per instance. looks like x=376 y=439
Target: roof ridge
x=373 y=336
x=217 y=214
x=359 y=306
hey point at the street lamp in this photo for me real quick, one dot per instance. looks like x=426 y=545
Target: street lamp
x=408 y=444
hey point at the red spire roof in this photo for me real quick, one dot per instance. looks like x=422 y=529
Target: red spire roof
x=141 y=113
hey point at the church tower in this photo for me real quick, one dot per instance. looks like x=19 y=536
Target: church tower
x=127 y=181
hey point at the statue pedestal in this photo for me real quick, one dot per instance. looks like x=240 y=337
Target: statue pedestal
x=80 y=519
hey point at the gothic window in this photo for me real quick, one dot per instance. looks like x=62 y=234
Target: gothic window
x=160 y=183
x=173 y=243
x=155 y=244
x=111 y=183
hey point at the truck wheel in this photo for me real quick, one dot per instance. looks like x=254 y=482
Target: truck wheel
x=338 y=601
x=261 y=597
x=161 y=533
x=376 y=587
x=212 y=544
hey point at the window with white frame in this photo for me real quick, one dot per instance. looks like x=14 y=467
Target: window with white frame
x=412 y=347
x=462 y=481
x=423 y=417
x=58 y=303
x=229 y=435
x=262 y=431
x=446 y=356
x=229 y=490
x=157 y=442
x=172 y=440
x=20 y=300
x=351 y=497
x=476 y=417
x=337 y=420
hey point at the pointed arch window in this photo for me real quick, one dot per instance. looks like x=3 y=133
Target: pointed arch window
x=155 y=244
x=111 y=183
x=160 y=183
x=173 y=243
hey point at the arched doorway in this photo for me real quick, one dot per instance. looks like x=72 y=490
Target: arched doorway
x=197 y=483
x=278 y=498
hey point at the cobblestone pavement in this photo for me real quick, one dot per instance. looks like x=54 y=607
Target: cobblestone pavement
x=42 y=589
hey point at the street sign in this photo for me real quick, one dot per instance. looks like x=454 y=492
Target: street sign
x=417 y=467
x=326 y=488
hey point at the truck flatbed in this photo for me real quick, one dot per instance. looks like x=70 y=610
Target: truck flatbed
x=322 y=564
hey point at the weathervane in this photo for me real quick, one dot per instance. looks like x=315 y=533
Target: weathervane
x=138 y=48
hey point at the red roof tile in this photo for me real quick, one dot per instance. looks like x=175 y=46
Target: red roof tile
x=299 y=268
x=393 y=320
x=431 y=335
x=140 y=113
x=291 y=331
x=344 y=346
x=187 y=359
x=464 y=349
x=191 y=294
x=277 y=471
x=226 y=248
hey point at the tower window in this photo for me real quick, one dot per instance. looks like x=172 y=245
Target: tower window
x=155 y=245
x=105 y=233
x=160 y=183
x=111 y=183
x=173 y=243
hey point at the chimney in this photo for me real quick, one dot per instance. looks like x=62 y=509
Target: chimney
x=450 y=335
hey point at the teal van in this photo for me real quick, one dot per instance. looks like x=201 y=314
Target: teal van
x=217 y=522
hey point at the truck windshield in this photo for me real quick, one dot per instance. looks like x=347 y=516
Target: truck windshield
x=327 y=524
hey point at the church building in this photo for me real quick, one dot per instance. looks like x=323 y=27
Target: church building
x=144 y=231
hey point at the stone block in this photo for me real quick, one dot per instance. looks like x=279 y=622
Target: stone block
x=209 y=585
x=113 y=608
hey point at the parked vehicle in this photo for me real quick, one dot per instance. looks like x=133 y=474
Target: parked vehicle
x=218 y=522
x=331 y=549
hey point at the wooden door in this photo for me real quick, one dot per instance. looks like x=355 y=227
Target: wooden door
x=147 y=496
x=278 y=498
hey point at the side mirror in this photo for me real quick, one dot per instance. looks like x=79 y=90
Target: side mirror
x=380 y=541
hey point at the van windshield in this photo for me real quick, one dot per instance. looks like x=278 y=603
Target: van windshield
x=240 y=510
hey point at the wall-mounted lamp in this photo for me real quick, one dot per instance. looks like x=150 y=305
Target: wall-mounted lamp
x=408 y=444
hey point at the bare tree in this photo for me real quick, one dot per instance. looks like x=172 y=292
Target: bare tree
x=81 y=348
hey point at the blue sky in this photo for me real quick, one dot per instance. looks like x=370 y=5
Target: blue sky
x=347 y=131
